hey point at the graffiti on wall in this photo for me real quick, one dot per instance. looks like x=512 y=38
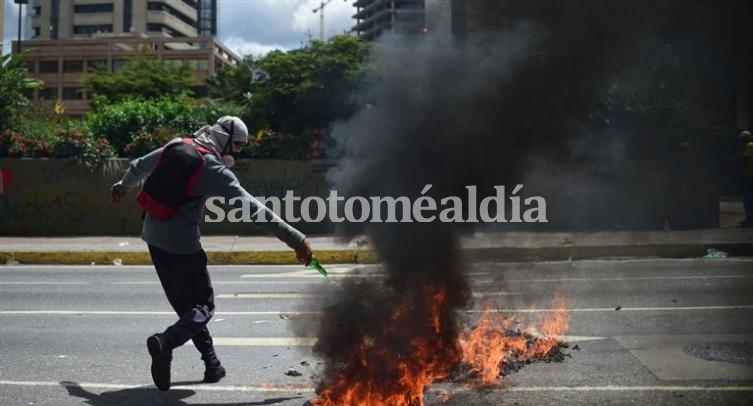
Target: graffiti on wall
x=58 y=197
x=42 y=206
x=6 y=176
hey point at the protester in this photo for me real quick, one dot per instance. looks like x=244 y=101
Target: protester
x=180 y=176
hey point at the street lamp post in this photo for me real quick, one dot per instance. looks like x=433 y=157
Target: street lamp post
x=20 y=4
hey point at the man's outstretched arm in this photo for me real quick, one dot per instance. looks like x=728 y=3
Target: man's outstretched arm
x=224 y=183
x=137 y=171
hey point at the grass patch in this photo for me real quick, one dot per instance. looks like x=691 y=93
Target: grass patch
x=215 y=257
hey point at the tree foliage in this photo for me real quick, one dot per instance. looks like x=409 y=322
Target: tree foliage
x=293 y=91
x=121 y=123
x=141 y=78
x=14 y=84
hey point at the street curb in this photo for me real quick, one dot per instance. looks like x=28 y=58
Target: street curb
x=504 y=254
x=214 y=257
x=501 y=254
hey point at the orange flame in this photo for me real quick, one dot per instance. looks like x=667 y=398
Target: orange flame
x=384 y=370
x=487 y=345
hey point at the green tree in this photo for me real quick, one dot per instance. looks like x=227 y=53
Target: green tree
x=14 y=83
x=141 y=78
x=292 y=91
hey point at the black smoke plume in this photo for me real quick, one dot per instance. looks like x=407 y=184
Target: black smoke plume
x=474 y=109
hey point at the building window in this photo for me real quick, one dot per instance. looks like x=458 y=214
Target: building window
x=36 y=32
x=118 y=64
x=28 y=93
x=92 y=29
x=73 y=93
x=207 y=24
x=197 y=64
x=37 y=11
x=156 y=27
x=160 y=6
x=96 y=64
x=48 y=93
x=73 y=66
x=48 y=66
x=54 y=18
x=29 y=66
x=93 y=8
x=127 y=16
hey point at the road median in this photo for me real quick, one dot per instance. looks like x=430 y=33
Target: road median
x=352 y=256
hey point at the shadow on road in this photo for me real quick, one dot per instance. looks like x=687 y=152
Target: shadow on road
x=151 y=396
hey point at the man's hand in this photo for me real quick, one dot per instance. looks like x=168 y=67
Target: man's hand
x=303 y=252
x=116 y=193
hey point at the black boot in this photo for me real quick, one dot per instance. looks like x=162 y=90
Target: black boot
x=162 y=355
x=214 y=371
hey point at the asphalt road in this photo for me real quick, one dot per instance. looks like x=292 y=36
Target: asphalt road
x=73 y=335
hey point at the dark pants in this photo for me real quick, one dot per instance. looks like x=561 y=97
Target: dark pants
x=185 y=279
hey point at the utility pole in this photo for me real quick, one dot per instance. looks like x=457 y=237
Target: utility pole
x=320 y=10
x=20 y=4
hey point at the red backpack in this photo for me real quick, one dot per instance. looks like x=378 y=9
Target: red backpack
x=177 y=171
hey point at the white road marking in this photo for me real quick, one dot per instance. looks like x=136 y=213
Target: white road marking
x=622 y=279
x=505 y=265
x=116 y=386
x=267 y=296
x=307 y=388
x=136 y=313
x=309 y=274
x=264 y=341
x=307 y=282
x=310 y=341
x=623 y=309
x=294 y=313
x=45 y=283
x=82 y=313
x=289 y=295
x=617 y=388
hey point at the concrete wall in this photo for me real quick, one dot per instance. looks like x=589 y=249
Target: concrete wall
x=61 y=197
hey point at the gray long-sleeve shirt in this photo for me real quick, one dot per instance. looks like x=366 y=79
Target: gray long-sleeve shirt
x=180 y=233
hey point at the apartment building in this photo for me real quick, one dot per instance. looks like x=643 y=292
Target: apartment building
x=400 y=17
x=72 y=37
x=76 y=19
x=62 y=64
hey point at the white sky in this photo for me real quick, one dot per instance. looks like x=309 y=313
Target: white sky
x=250 y=26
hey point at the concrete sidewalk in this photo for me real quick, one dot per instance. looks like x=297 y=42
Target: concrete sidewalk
x=510 y=246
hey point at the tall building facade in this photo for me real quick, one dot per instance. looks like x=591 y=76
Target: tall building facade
x=400 y=17
x=76 y=19
x=2 y=27
x=69 y=38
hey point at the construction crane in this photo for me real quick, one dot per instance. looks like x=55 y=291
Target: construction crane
x=320 y=10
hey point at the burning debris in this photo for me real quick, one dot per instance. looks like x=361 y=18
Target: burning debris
x=513 y=362
x=493 y=347
x=391 y=359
